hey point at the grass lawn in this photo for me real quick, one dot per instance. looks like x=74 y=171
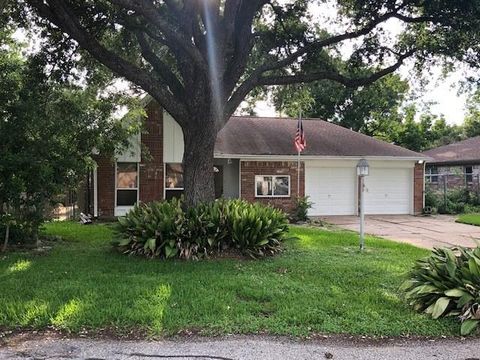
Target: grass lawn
x=471 y=219
x=320 y=284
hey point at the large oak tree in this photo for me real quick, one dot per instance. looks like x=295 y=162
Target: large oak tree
x=199 y=59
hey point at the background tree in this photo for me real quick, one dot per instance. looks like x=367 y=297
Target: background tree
x=367 y=109
x=48 y=131
x=471 y=126
x=199 y=59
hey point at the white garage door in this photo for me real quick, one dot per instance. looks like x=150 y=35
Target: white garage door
x=332 y=190
x=388 y=191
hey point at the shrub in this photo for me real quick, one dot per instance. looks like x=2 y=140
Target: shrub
x=256 y=230
x=455 y=201
x=152 y=230
x=164 y=230
x=302 y=205
x=447 y=284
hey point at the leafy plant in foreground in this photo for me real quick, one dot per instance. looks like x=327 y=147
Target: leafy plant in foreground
x=165 y=230
x=447 y=284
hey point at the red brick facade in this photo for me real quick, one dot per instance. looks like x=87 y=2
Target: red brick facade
x=151 y=167
x=106 y=186
x=248 y=170
x=418 y=189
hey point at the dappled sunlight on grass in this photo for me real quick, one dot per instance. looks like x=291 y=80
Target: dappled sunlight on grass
x=64 y=316
x=20 y=265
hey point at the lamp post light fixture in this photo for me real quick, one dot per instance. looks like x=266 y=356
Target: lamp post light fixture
x=363 y=169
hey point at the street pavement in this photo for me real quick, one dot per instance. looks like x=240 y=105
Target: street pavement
x=241 y=348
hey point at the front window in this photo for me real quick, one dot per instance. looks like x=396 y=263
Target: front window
x=173 y=180
x=469 y=174
x=127 y=184
x=272 y=186
x=432 y=175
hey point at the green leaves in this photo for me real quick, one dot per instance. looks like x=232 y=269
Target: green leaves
x=468 y=326
x=447 y=284
x=163 y=229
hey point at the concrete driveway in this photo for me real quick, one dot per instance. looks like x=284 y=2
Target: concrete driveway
x=426 y=232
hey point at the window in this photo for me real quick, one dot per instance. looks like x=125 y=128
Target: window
x=431 y=175
x=468 y=174
x=173 y=181
x=127 y=184
x=270 y=186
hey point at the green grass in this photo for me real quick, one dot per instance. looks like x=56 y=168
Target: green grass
x=471 y=219
x=320 y=284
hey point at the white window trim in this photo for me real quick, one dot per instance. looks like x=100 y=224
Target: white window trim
x=273 y=189
x=165 y=189
x=468 y=174
x=429 y=175
x=137 y=189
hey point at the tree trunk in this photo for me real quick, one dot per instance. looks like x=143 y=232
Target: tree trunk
x=198 y=175
x=7 y=235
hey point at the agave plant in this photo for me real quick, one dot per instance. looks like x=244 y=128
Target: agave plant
x=447 y=284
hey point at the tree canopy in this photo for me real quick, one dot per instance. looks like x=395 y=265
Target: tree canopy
x=199 y=59
x=48 y=133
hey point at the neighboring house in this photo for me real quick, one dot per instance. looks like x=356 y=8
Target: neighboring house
x=255 y=159
x=454 y=165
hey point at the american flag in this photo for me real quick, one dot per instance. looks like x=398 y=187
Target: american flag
x=300 y=142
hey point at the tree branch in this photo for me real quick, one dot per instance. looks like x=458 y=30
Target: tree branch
x=250 y=84
x=58 y=14
x=162 y=69
x=150 y=12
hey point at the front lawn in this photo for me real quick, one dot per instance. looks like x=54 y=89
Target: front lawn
x=471 y=219
x=320 y=284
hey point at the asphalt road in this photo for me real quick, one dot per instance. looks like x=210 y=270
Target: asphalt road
x=240 y=348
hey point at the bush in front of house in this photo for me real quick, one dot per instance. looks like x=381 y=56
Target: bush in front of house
x=455 y=201
x=447 y=284
x=302 y=205
x=165 y=230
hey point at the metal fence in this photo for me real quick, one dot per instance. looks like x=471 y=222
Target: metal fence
x=452 y=192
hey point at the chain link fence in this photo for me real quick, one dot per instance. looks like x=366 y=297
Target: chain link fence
x=452 y=193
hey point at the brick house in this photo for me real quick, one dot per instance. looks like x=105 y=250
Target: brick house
x=454 y=166
x=255 y=159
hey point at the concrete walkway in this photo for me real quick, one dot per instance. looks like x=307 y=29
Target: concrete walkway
x=244 y=348
x=427 y=232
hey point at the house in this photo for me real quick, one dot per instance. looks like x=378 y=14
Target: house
x=455 y=165
x=255 y=159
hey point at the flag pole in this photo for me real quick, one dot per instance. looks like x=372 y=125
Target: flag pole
x=298 y=164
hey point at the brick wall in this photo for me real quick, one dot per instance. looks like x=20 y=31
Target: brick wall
x=106 y=186
x=251 y=168
x=418 y=189
x=151 y=167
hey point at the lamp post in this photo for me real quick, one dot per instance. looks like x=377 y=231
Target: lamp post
x=363 y=169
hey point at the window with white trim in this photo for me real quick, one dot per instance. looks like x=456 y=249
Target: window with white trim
x=173 y=180
x=431 y=174
x=468 y=174
x=272 y=186
x=126 y=183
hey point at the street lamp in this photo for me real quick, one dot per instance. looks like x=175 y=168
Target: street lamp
x=363 y=169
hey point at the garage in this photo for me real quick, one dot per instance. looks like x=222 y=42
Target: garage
x=389 y=191
x=331 y=189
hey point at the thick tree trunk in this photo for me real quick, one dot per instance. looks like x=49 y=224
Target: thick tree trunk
x=198 y=162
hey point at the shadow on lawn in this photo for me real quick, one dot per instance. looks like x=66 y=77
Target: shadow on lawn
x=43 y=291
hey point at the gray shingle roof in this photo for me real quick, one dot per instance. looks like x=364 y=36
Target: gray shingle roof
x=275 y=136
x=466 y=151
